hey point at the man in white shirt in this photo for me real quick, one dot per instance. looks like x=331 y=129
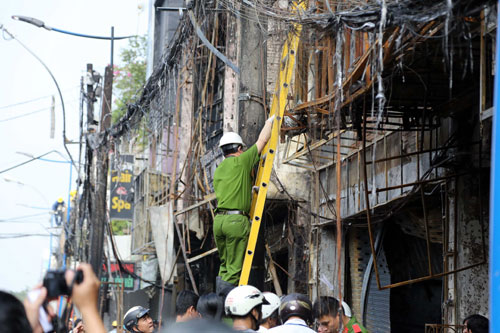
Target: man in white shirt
x=295 y=313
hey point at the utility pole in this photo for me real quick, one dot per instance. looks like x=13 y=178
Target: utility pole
x=86 y=205
x=98 y=213
x=106 y=103
x=251 y=101
x=252 y=92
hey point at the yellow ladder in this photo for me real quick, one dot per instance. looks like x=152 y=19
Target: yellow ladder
x=278 y=104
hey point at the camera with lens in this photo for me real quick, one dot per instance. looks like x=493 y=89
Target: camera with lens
x=56 y=285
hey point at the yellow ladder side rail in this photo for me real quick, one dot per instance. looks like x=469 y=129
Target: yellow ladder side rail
x=278 y=98
x=279 y=102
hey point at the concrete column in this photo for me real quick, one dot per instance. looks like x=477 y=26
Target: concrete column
x=298 y=255
x=186 y=125
x=252 y=64
x=231 y=79
x=473 y=289
x=450 y=304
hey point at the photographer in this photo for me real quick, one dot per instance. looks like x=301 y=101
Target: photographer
x=84 y=295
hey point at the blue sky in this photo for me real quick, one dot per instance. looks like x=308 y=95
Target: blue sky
x=22 y=79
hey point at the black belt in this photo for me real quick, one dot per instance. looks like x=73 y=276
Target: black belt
x=231 y=212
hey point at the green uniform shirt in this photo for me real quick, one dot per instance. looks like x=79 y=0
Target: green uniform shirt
x=354 y=327
x=233 y=181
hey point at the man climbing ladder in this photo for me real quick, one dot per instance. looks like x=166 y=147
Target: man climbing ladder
x=233 y=189
x=234 y=238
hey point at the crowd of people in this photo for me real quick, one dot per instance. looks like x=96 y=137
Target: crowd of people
x=235 y=309
x=246 y=309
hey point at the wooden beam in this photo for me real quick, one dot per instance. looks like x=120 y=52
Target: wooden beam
x=354 y=76
x=208 y=198
x=315 y=145
x=274 y=274
x=203 y=255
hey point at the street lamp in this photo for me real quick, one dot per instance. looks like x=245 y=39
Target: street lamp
x=40 y=24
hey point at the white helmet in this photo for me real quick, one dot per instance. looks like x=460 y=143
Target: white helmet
x=274 y=304
x=347 y=309
x=230 y=138
x=241 y=300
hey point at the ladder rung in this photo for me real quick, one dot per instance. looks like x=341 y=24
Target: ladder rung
x=263 y=158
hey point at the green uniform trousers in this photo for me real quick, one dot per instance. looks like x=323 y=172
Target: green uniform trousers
x=231 y=237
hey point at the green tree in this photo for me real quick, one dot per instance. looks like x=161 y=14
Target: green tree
x=129 y=79
x=120 y=227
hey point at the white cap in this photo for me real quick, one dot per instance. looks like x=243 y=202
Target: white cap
x=274 y=304
x=230 y=138
x=241 y=300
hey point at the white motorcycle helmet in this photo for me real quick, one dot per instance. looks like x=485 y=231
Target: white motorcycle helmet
x=241 y=300
x=274 y=304
x=230 y=138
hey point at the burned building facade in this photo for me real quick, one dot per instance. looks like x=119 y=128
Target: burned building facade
x=380 y=189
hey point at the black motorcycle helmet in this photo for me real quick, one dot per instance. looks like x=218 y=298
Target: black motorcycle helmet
x=132 y=317
x=296 y=305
